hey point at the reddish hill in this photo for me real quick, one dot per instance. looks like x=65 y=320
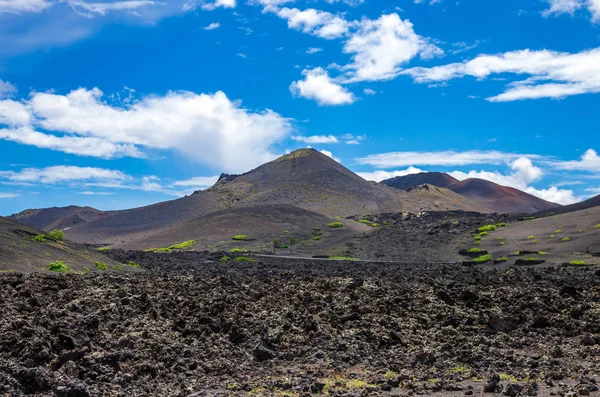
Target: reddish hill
x=497 y=198
x=439 y=179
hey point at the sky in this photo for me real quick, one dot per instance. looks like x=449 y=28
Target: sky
x=119 y=104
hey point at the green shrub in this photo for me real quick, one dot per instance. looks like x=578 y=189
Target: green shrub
x=364 y=221
x=531 y=259
x=133 y=264
x=597 y=226
x=477 y=238
x=57 y=234
x=40 y=238
x=558 y=231
x=103 y=248
x=316 y=238
x=483 y=258
x=487 y=228
x=335 y=225
x=530 y=237
x=183 y=245
x=118 y=267
x=316 y=229
x=225 y=259
x=518 y=253
x=501 y=224
x=58 y=267
x=474 y=250
x=239 y=250
x=502 y=243
x=483 y=234
x=387 y=224
x=101 y=266
x=243 y=259
x=86 y=269
x=542 y=253
x=552 y=236
x=240 y=237
x=534 y=241
x=566 y=239
x=577 y=263
x=477 y=243
x=500 y=238
x=503 y=259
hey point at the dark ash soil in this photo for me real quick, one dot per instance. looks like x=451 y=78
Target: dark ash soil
x=292 y=327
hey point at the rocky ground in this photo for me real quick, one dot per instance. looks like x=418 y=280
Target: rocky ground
x=191 y=325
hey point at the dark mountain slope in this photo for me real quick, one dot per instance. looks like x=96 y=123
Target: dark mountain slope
x=58 y=217
x=439 y=179
x=589 y=203
x=497 y=198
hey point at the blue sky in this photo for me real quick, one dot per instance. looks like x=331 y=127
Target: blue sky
x=117 y=104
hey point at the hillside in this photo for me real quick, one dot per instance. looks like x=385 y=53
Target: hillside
x=19 y=252
x=58 y=217
x=305 y=178
x=589 y=203
x=439 y=179
x=497 y=198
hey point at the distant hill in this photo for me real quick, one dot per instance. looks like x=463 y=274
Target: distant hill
x=20 y=253
x=58 y=217
x=439 y=179
x=497 y=198
x=589 y=203
x=488 y=195
x=305 y=178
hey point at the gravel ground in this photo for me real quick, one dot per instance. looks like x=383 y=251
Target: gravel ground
x=190 y=325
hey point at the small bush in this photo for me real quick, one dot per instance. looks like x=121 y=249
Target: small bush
x=477 y=243
x=103 y=248
x=487 y=228
x=57 y=234
x=101 y=266
x=474 y=250
x=530 y=237
x=387 y=224
x=501 y=224
x=183 y=245
x=58 y=267
x=118 y=267
x=477 y=238
x=518 y=253
x=566 y=239
x=502 y=243
x=316 y=238
x=483 y=234
x=531 y=259
x=243 y=259
x=86 y=269
x=597 y=226
x=552 y=236
x=542 y=253
x=133 y=264
x=240 y=250
x=534 y=241
x=484 y=258
x=577 y=263
x=364 y=221
x=500 y=238
x=40 y=238
x=335 y=225
x=225 y=259
x=240 y=237
x=558 y=231
x=503 y=259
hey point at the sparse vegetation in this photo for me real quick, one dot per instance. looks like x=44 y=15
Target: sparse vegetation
x=183 y=245
x=502 y=243
x=474 y=250
x=239 y=250
x=577 y=263
x=509 y=378
x=483 y=234
x=503 y=259
x=157 y=250
x=477 y=242
x=542 y=253
x=487 y=228
x=390 y=375
x=243 y=259
x=103 y=248
x=40 y=238
x=597 y=226
x=118 y=267
x=58 y=267
x=558 y=231
x=292 y=242
x=532 y=259
x=316 y=238
x=335 y=225
x=101 y=266
x=552 y=236
x=134 y=265
x=566 y=239
x=225 y=258
x=530 y=237
x=484 y=258
x=477 y=238
x=240 y=237
x=501 y=224
x=56 y=234
x=343 y=258
x=86 y=269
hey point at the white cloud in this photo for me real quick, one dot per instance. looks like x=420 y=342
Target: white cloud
x=315 y=22
x=558 y=7
x=6 y=89
x=8 y=195
x=590 y=161
x=19 y=6
x=381 y=175
x=369 y=91
x=94 y=193
x=350 y=139
x=380 y=47
x=319 y=86
x=313 y=50
x=103 y=8
x=62 y=174
x=198 y=182
x=316 y=139
x=352 y=3
x=552 y=74
x=212 y=26
x=440 y=158
x=233 y=138
x=219 y=3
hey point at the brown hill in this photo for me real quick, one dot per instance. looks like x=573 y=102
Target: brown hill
x=497 y=198
x=589 y=203
x=305 y=178
x=58 y=217
x=19 y=252
x=439 y=179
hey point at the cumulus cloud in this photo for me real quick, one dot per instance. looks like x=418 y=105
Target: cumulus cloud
x=315 y=22
x=440 y=158
x=316 y=139
x=590 y=161
x=212 y=26
x=350 y=139
x=103 y=8
x=558 y=7
x=352 y=3
x=381 y=175
x=313 y=50
x=329 y=154
x=210 y=129
x=369 y=91
x=219 y=4
x=63 y=173
x=319 y=86
x=551 y=74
